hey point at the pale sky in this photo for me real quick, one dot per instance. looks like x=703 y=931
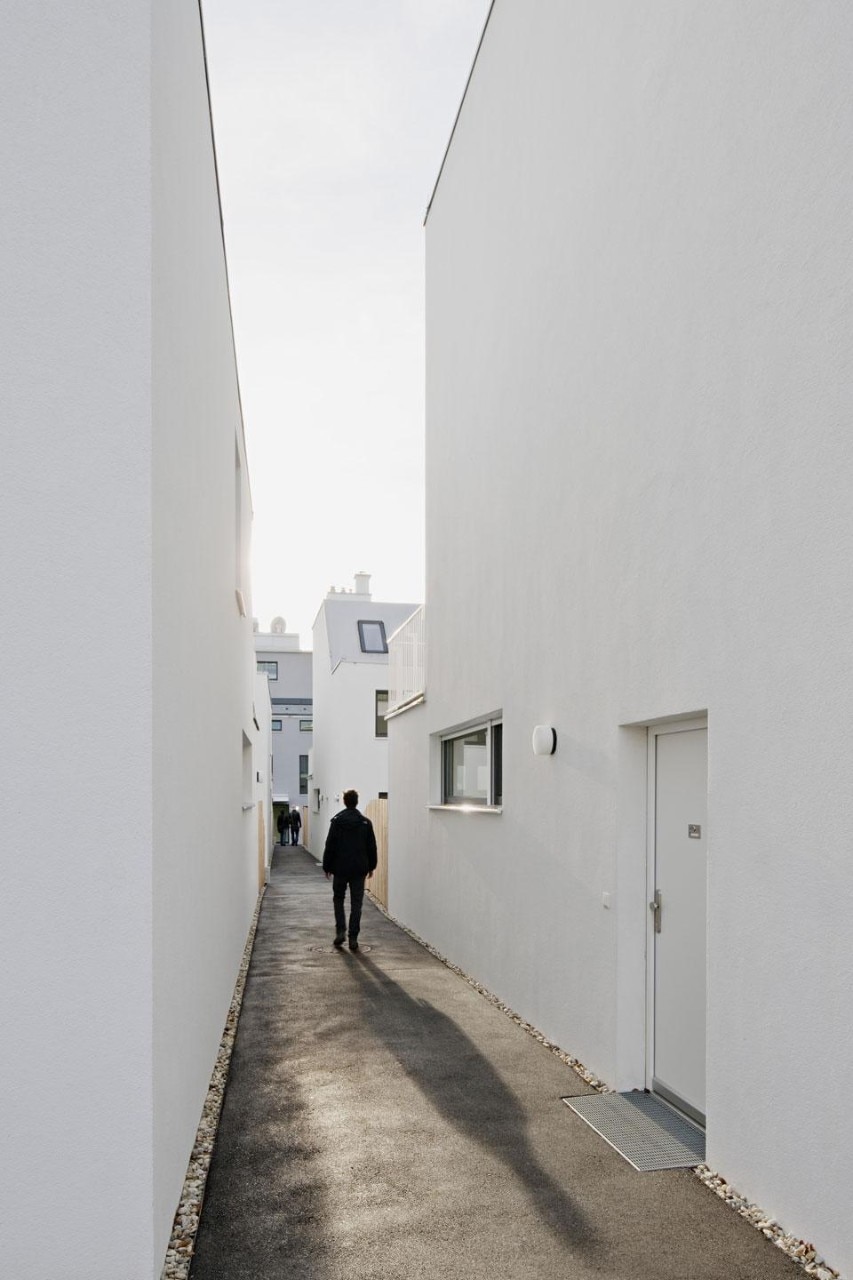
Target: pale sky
x=331 y=121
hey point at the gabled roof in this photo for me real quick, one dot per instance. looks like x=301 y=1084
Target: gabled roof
x=342 y=633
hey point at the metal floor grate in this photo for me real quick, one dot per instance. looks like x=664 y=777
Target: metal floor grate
x=332 y=951
x=648 y=1133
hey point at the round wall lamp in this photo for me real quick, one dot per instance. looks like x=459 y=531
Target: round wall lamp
x=544 y=740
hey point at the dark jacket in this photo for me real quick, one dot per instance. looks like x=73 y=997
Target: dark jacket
x=350 y=845
x=295 y=820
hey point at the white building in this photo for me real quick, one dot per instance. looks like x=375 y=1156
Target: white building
x=264 y=766
x=288 y=671
x=640 y=533
x=351 y=633
x=130 y=827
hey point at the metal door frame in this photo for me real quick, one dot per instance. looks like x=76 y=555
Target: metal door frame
x=653 y=732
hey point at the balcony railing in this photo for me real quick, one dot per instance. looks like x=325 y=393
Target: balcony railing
x=407 y=663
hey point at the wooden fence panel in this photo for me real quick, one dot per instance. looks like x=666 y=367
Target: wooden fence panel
x=377 y=812
x=262 y=849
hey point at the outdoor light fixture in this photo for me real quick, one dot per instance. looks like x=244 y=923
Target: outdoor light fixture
x=544 y=740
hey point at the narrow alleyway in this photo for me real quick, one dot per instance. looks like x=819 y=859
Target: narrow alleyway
x=383 y=1121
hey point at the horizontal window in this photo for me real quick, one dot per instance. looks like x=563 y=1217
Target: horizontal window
x=269 y=668
x=276 y=726
x=472 y=766
x=306 y=726
x=371 y=637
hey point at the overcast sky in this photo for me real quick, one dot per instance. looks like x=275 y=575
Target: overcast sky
x=331 y=120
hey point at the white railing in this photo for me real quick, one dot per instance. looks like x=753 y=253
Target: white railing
x=407 y=662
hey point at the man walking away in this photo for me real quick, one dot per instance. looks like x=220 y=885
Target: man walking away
x=349 y=856
x=281 y=823
x=295 y=824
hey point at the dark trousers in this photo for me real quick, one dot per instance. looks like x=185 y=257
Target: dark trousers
x=356 y=897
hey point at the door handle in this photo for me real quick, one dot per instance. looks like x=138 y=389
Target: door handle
x=655 y=906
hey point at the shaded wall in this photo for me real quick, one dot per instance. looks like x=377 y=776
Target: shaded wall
x=207 y=751
x=121 y=933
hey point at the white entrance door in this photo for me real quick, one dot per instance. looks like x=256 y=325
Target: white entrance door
x=678 y=756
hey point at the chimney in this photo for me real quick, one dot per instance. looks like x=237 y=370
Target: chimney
x=362 y=585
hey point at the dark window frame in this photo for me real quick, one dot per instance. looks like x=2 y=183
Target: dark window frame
x=380 y=727
x=492 y=731
x=372 y=622
x=264 y=665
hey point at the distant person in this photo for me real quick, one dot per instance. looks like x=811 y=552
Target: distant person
x=349 y=857
x=295 y=824
x=282 y=824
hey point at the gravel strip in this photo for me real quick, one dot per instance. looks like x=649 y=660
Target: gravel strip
x=801 y=1251
x=180 y=1251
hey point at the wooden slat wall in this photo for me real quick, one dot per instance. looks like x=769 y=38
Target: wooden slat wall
x=377 y=812
x=262 y=849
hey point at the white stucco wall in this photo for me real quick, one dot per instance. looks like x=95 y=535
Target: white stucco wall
x=291 y=695
x=75 y=398
x=205 y=823
x=346 y=751
x=131 y=866
x=288 y=745
x=639 y=396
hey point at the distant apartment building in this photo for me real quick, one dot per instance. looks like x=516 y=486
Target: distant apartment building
x=351 y=634
x=288 y=672
x=139 y=751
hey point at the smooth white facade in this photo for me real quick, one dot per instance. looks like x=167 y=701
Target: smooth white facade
x=347 y=751
x=126 y=526
x=639 y=396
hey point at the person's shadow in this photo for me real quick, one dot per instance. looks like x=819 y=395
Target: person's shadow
x=451 y=1072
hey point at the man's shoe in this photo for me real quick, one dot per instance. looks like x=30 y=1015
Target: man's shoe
x=339 y=941
x=353 y=944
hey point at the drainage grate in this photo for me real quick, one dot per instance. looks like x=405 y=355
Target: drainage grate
x=331 y=951
x=648 y=1133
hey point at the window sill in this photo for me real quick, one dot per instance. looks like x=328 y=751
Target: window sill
x=465 y=808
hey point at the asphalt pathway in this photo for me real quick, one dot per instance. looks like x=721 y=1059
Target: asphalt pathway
x=384 y=1121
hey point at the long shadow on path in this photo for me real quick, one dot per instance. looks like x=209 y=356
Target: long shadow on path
x=365 y=1134
x=382 y=1122
x=463 y=1086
